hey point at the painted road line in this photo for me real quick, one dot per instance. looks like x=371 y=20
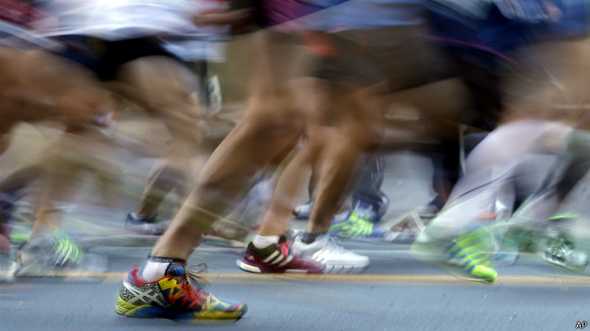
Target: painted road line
x=238 y=277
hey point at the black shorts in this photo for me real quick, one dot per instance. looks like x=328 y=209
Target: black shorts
x=105 y=58
x=400 y=56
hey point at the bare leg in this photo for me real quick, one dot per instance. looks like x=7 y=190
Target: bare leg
x=270 y=126
x=343 y=146
x=164 y=87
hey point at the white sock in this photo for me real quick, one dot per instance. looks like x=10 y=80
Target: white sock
x=154 y=270
x=264 y=241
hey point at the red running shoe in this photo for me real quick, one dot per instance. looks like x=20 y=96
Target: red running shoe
x=276 y=258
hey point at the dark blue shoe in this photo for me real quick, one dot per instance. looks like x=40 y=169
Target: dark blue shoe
x=145 y=225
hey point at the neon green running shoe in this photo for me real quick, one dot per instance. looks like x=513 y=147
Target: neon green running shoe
x=472 y=252
x=356 y=226
x=469 y=254
x=48 y=254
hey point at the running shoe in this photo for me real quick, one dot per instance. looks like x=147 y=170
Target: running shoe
x=56 y=254
x=177 y=295
x=7 y=264
x=469 y=253
x=431 y=209
x=276 y=258
x=357 y=225
x=561 y=252
x=333 y=257
x=472 y=253
x=57 y=249
x=428 y=211
x=145 y=225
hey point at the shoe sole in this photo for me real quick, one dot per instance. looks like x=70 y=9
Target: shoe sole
x=345 y=269
x=256 y=270
x=123 y=308
x=563 y=266
x=427 y=253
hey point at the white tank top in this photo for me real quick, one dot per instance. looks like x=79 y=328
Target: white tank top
x=119 y=19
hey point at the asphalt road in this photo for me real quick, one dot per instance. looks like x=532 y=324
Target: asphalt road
x=395 y=293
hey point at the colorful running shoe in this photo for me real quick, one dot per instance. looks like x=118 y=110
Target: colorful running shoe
x=334 y=258
x=276 y=258
x=55 y=254
x=66 y=250
x=145 y=225
x=56 y=249
x=359 y=223
x=177 y=295
x=470 y=253
x=356 y=226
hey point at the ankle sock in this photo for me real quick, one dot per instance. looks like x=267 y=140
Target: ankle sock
x=157 y=267
x=264 y=241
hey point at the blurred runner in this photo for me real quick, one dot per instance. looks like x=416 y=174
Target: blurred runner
x=33 y=91
x=532 y=81
x=363 y=51
x=121 y=40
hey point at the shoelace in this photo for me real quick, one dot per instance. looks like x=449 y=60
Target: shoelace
x=192 y=286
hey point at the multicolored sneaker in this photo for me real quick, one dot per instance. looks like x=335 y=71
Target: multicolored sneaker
x=177 y=295
x=276 y=258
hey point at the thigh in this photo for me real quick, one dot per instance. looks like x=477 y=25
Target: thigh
x=35 y=81
x=166 y=89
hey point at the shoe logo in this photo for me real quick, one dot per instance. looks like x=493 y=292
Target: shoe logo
x=147 y=294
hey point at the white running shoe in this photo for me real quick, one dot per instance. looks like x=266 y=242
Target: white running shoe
x=334 y=258
x=561 y=252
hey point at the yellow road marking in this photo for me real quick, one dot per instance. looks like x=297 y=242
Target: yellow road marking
x=237 y=277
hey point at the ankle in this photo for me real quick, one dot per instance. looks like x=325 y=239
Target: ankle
x=310 y=237
x=157 y=267
x=260 y=241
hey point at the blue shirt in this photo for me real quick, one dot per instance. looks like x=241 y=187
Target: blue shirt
x=366 y=14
